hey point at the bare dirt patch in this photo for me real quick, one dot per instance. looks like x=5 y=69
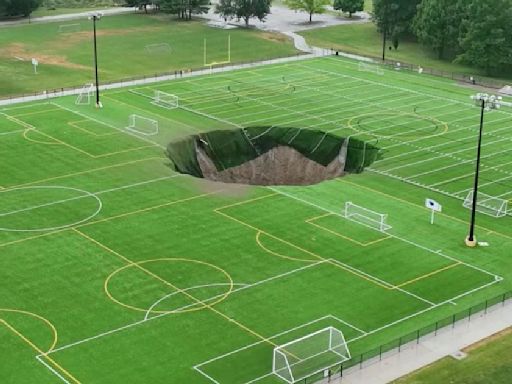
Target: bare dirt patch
x=19 y=51
x=274 y=37
x=279 y=166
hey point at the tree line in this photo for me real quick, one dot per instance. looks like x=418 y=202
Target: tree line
x=18 y=7
x=474 y=32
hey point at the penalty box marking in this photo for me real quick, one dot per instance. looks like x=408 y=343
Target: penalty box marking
x=362 y=244
x=220 y=357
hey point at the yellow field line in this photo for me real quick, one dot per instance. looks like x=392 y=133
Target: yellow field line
x=32 y=237
x=39 y=351
x=184 y=292
x=421 y=206
x=83 y=172
x=152 y=113
x=365 y=244
x=74 y=124
x=298 y=247
x=258 y=241
x=108 y=218
x=147 y=209
x=35 y=315
x=429 y=274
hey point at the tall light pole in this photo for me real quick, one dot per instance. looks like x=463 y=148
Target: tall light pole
x=94 y=17
x=486 y=103
x=385 y=29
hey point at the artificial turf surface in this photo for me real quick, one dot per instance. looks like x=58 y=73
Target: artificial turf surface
x=114 y=268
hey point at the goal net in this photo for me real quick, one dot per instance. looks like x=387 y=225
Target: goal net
x=142 y=125
x=84 y=97
x=309 y=355
x=158 y=49
x=487 y=204
x=367 y=67
x=70 y=28
x=366 y=216
x=166 y=100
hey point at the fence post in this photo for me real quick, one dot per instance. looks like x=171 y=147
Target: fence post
x=418 y=337
x=437 y=327
x=453 y=321
x=469 y=316
x=486 y=306
x=361 y=361
x=399 y=344
x=380 y=353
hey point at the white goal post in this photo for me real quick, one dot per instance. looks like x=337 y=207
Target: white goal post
x=142 y=125
x=366 y=216
x=487 y=204
x=84 y=97
x=309 y=355
x=165 y=100
x=373 y=68
x=70 y=28
x=159 y=48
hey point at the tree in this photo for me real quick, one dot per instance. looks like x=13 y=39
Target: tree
x=19 y=7
x=309 y=6
x=396 y=16
x=349 y=6
x=226 y=9
x=437 y=25
x=486 y=35
x=247 y=9
x=185 y=8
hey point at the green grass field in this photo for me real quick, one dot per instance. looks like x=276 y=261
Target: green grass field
x=114 y=268
x=66 y=59
x=363 y=39
x=488 y=362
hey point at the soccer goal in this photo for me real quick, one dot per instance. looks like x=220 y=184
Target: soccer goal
x=367 y=67
x=142 y=125
x=84 y=97
x=70 y=28
x=309 y=355
x=158 y=49
x=366 y=216
x=487 y=204
x=165 y=100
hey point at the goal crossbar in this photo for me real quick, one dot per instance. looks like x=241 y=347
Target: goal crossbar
x=165 y=100
x=142 y=125
x=84 y=96
x=366 y=216
x=309 y=355
x=373 y=68
x=487 y=204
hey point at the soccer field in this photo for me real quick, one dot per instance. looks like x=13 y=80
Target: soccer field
x=116 y=269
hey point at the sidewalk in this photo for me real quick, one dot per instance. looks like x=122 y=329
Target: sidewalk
x=448 y=342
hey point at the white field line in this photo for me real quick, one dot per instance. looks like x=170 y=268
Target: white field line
x=451 y=155
x=12 y=132
x=163 y=298
x=82 y=196
x=192 y=111
x=276 y=336
x=425 y=310
x=394 y=287
x=363 y=335
x=108 y=125
x=481 y=185
x=140 y=322
x=51 y=369
x=470 y=127
x=393 y=86
x=436 y=252
x=22 y=106
x=206 y=375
